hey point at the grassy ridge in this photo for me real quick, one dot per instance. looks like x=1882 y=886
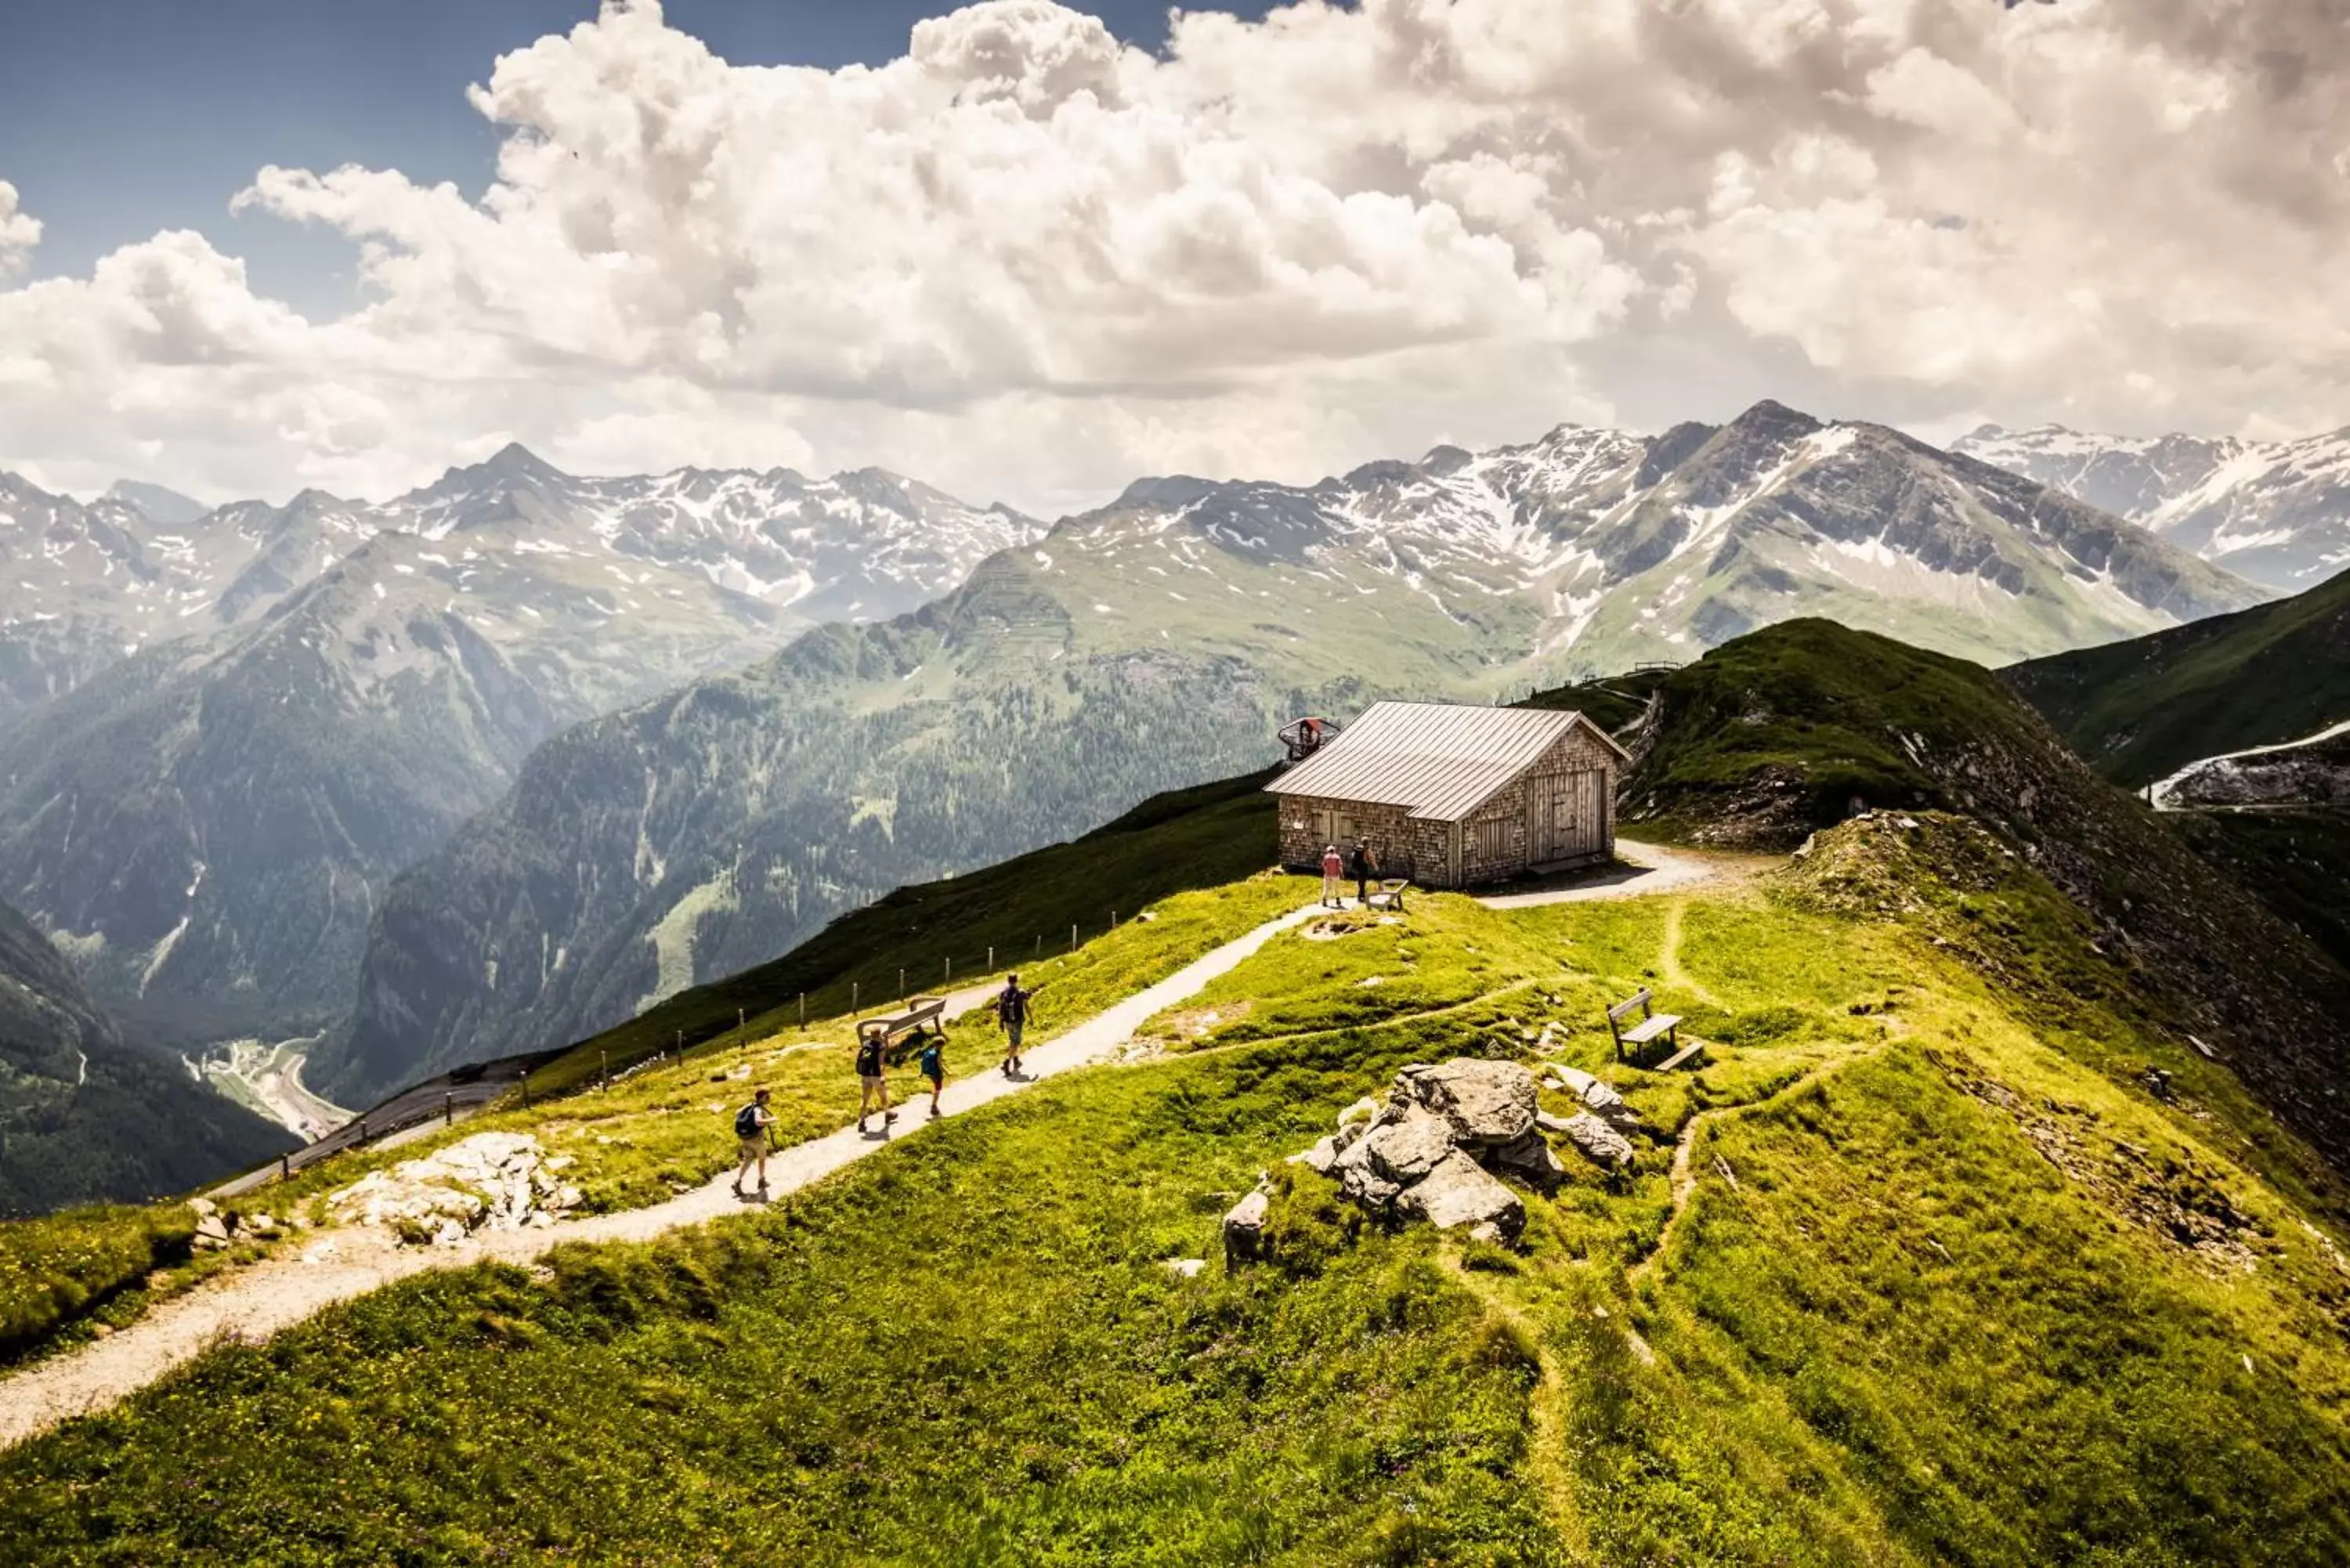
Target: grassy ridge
x=2144 y=709
x=1951 y=1286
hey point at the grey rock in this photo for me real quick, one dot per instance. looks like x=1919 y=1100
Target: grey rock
x=1404 y=1151
x=1488 y=1232
x=1361 y=1180
x=1183 y=1268
x=1602 y=1143
x=1244 y=1226
x=1487 y=1103
x=1530 y=1158
x=1459 y=1192
x=1319 y=1158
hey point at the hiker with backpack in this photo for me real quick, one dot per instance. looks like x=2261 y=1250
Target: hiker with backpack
x=753 y=1137
x=933 y=1066
x=872 y=1083
x=1012 y=1017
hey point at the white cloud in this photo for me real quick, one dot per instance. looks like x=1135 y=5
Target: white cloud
x=1025 y=261
x=19 y=231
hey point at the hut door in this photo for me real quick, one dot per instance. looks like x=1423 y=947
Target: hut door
x=1580 y=822
x=1551 y=804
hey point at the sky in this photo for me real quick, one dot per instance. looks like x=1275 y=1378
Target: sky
x=1028 y=252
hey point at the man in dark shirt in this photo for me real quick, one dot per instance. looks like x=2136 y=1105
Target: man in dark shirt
x=1012 y=1014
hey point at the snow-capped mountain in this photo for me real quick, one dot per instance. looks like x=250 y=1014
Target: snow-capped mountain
x=275 y=709
x=1608 y=548
x=1158 y=641
x=2277 y=513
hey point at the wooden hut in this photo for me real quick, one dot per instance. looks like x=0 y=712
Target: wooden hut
x=1452 y=795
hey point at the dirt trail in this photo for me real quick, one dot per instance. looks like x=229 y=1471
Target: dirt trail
x=255 y=1302
x=1648 y=868
x=1547 y=1449
x=1669 y=956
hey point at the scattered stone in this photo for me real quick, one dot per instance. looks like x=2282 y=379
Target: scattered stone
x=102 y=1331
x=211 y=1231
x=1244 y=1228
x=1184 y=1268
x=1459 y=1192
x=1603 y=1144
x=1487 y=1232
x=496 y=1182
x=203 y=1205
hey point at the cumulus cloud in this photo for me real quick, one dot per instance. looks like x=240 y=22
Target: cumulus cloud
x=1023 y=260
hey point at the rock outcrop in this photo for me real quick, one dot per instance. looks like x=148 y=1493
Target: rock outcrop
x=492 y=1181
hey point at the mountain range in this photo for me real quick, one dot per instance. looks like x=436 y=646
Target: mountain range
x=2276 y=512
x=254 y=719
x=1157 y=642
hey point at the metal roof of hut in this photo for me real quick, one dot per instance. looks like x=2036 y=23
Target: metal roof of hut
x=1436 y=760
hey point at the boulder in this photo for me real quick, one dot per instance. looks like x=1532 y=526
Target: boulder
x=1244 y=1228
x=1459 y=1192
x=211 y=1231
x=1406 y=1151
x=1603 y=1144
x=1530 y=1158
x=1183 y=1268
x=1487 y=1103
x=202 y=1206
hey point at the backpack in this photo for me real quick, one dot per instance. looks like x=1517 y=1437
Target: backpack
x=746 y=1121
x=869 y=1057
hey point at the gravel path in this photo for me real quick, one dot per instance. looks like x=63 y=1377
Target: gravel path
x=1651 y=870
x=253 y=1303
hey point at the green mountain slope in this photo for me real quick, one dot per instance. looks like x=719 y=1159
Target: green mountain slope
x=1780 y=734
x=2142 y=709
x=83 y=1115
x=1941 y=1282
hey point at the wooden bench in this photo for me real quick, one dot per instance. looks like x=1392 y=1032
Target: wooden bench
x=1390 y=893
x=1651 y=1025
x=921 y=1011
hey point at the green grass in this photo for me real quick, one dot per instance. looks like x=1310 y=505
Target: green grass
x=57 y=1270
x=2144 y=709
x=1951 y=1287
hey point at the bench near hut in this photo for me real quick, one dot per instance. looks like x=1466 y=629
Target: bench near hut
x=1451 y=795
x=1632 y=1042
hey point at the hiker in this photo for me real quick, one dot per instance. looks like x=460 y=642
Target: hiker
x=1363 y=865
x=872 y=1085
x=934 y=1066
x=753 y=1139
x=1011 y=1016
x=1332 y=869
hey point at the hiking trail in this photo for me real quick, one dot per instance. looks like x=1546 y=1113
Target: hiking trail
x=255 y=1302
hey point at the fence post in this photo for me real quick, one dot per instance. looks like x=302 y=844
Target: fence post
x=991 y=961
x=447 y=1109
x=901 y=985
x=363 y=1129
x=1113 y=919
x=1072 y=937
x=803 y=1010
x=604 y=1069
x=741 y=1024
x=680 y=1045
x=855 y=986
x=1040 y=947
x=950 y=979
x=284 y=1167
